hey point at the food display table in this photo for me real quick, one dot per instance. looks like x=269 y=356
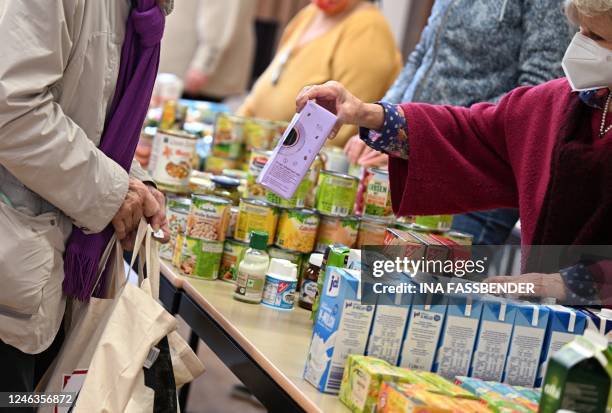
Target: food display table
x=265 y=348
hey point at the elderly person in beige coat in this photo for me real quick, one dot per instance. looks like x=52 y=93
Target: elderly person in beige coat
x=210 y=44
x=58 y=71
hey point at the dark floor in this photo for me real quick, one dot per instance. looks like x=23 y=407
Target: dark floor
x=211 y=392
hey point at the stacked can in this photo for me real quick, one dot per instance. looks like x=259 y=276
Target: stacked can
x=177 y=210
x=203 y=244
x=374 y=201
x=227 y=147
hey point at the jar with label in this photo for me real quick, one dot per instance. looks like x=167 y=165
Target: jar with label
x=226 y=187
x=280 y=285
x=252 y=269
x=308 y=287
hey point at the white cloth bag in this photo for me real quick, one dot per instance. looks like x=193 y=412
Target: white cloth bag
x=110 y=338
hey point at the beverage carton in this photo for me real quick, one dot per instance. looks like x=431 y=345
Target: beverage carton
x=493 y=340
x=341 y=328
x=410 y=246
x=578 y=377
x=335 y=255
x=390 y=321
x=564 y=324
x=362 y=379
x=458 y=336
x=297 y=150
x=354 y=260
x=526 y=344
x=445 y=387
x=423 y=333
x=599 y=321
x=400 y=398
x=495 y=401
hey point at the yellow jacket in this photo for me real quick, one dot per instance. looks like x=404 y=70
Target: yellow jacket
x=359 y=52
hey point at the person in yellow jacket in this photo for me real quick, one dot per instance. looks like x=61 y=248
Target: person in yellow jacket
x=346 y=40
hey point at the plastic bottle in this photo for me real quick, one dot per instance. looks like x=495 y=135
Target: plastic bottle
x=308 y=288
x=252 y=269
x=281 y=283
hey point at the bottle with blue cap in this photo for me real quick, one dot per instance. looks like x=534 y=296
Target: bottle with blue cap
x=252 y=269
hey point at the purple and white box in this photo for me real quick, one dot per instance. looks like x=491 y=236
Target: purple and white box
x=296 y=150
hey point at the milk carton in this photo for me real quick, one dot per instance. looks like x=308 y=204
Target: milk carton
x=458 y=336
x=341 y=328
x=526 y=344
x=493 y=340
x=423 y=333
x=296 y=150
x=600 y=321
x=354 y=260
x=564 y=325
x=390 y=321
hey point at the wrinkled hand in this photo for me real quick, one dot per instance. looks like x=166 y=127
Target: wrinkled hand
x=358 y=153
x=138 y=202
x=544 y=285
x=335 y=98
x=159 y=220
x=195 y=80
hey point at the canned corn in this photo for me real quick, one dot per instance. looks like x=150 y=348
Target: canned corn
x=297 y=229
x=256 y=215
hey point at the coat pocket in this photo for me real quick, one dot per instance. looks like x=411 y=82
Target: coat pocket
x=28 y=248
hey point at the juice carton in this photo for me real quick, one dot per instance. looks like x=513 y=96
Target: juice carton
x=390 y=321
x=578 y=377
x=472 y=406
x=436 y=250
x=297 y=150
x=335 y=255
x=493 y=340
x=410 y=246
x=526 y=345
x=341 y=328
x=495 y=401
x=564 y=324
x=531 y=394
x=423 y=333
x=458 y=336
x=445 y=387
x=402 y=398
x=513 y=395
x=354 y=260
x=599 y=321
x=362 y=379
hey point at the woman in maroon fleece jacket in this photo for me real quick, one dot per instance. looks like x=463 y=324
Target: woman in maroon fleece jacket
x=545 y=149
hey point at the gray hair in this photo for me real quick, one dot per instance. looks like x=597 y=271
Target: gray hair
x=589 y=8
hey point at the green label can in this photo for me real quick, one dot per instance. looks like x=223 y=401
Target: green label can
x=336 y=193
x=208 y=217
x=233 y=251
x=298 y=200
x=257 y=161
x=177 y=223
x=337 y=230
x=201 y=258
x=256 y=215
x=435 y=222
x=377 y=197
x=228 y=136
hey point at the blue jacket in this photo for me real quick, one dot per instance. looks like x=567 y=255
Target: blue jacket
x=477 y=50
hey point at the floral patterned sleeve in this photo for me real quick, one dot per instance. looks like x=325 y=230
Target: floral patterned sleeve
x=392 y=139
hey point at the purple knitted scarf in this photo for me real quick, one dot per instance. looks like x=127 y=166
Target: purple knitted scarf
x=139 y=64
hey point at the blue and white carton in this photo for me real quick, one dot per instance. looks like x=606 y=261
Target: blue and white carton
x=564 y=324
x=341 y=328
x=493 y=339
x=458 y=336
x=528 y=335
x=390 y=321
x=423 y=333
x=600 y=321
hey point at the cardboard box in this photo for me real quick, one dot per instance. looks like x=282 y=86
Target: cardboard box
x=578 y=377
x=564 y=324
x=600 y=321
x=526 y=344
x=390 y=322
x=398 y=398
x=362 y=379
x=423 y=333
x=411 y=247
x=493 y=340
x=341 y=328
x=495 y=401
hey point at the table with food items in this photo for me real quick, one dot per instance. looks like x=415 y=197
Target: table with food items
x=272 y=282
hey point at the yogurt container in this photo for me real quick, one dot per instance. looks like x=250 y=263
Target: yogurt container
x=280 y=285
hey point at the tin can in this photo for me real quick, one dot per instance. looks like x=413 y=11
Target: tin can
x=335 y=160
x=233 y=251
x=231 y=225
x=298 y=200
x=256 y=215
x=171 y=160
x=313 y=177
x=257 y=161
x=278 y=129
x=297 y=230
x=258 y=134
x=228 y=136
x=377 y=197
x=336 y=194
x=337 y=230
x=435 y=222
x=371 y=231
x=208 y=217
x=216 y=164
x=201 y=258
x=461 y=238
x=177 y=212
x=295 y=257
x=200 y=183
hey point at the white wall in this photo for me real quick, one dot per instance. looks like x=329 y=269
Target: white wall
x=396 y=11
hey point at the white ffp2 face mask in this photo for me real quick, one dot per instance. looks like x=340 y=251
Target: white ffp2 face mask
x=587 y=65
